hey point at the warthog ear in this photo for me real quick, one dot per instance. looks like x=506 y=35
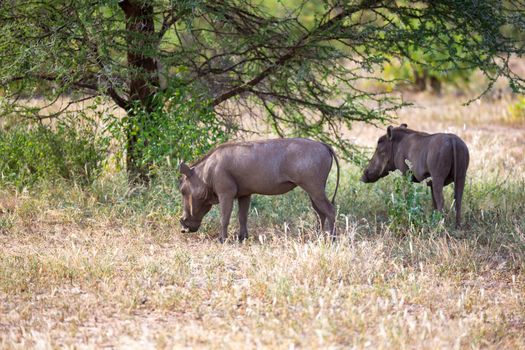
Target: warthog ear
x=184 y=169
x=404 y=126
x=389 y=132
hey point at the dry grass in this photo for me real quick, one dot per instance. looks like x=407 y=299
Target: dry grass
x=85 y=268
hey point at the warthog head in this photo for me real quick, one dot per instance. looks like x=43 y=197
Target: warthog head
x=382 y=161
x=197 y=199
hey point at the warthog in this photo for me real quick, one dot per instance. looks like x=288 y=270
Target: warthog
x=238 y=170
x=443 y=157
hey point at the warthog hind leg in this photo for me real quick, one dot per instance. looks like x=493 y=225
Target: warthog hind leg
x=323 y=207
x=437 y=194
x=434 y=205
x=322 y=216
x=459 y=186
x=244 y=206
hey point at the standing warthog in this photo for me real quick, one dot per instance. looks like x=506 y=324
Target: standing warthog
x=238 y=170
x=443 y=157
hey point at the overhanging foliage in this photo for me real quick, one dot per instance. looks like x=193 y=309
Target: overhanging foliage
x=306 y=74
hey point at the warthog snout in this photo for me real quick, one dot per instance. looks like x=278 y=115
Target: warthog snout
x=364 y=178
x=188 y=226
x=369 y=176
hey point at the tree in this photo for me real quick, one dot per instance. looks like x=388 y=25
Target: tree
x=233 y=54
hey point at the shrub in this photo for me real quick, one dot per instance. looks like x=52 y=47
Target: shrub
x=176 y=127
x=30 y=154
x=406 y=208
x=517 y=111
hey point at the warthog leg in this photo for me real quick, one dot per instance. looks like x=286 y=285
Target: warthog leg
x=437 y=193
x=322 y=217
x=244 y=206
x=434 y=205
x=459 y=185
x=321 y=204
x=226 y=205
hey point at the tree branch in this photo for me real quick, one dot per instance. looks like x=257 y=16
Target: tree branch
x=292 y=51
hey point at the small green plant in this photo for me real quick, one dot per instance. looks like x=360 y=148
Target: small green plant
x=409 y=203
x=6 y=223
x=517 y=111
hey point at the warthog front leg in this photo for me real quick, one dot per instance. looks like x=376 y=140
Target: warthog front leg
x=225 y=205
x=437 y=194
x=244 y=206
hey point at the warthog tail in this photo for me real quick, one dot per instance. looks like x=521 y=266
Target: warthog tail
x=332 y=152
x=458 y=185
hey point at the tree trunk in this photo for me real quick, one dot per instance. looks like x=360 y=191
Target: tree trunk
x=136 y=168
x=420 y=80
x=435 y=84
x=143 y=80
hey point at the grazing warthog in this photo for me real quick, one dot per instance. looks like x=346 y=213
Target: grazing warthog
x=238 y=170
x=443 y=157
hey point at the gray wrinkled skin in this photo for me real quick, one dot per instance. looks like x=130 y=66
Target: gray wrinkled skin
x=270 y=167
x=443 y=157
